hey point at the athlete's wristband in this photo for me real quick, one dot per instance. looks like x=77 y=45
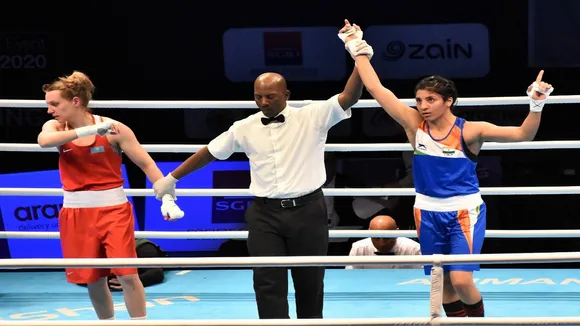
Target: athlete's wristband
x=358 y=34
x=86 y=131
x=95 y=129
x=538 y=105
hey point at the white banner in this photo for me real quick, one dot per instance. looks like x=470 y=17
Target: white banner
x=298 y=53
x=415 y=51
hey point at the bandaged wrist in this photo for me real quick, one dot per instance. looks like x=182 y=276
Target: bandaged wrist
x=537 y=105
x=349 y=32
x=86 y=131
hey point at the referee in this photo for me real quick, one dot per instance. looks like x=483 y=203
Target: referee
x=285 y=147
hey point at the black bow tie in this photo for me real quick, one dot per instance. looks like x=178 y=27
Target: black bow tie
x=280 y=118
x=384 y=253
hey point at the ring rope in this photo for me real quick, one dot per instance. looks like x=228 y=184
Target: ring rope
x=541 y=234
x=378 y=147
x=481 y=321
x=301 y=261
x=466 y=101
x=289 y=261
x=331 y=192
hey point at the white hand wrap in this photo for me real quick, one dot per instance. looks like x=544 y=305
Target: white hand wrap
x=98 y=128
x=170 y=209
x=538 y=105
x=348 y=32
x=358 y=47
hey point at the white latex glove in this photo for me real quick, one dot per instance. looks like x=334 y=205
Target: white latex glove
x=358 y=47
x=165 y=186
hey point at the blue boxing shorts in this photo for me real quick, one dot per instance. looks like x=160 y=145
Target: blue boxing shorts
x=457 y=232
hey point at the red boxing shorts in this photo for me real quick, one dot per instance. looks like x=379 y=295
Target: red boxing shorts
x=97 y=232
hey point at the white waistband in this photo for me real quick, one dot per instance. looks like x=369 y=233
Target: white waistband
x=448 y=204
x=97 y=198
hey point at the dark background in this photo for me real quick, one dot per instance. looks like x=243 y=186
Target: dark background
x=173 y=51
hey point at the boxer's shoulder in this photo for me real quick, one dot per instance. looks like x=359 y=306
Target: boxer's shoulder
x=53 y=125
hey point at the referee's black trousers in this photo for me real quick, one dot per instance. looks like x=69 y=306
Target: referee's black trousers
x=299 y=229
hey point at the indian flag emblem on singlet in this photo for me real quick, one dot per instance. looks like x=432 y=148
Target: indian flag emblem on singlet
x=448 y=151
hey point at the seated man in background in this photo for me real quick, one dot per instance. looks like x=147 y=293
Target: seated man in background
x=148 y=276
x=399 y=206
x=384 y=246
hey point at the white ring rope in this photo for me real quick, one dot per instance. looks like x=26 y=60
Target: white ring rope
x=177 y=148
x=481 y=321
x=502 y=234
x=289 y=261
x=309 y=260
x=330 y=192
x=466 y=101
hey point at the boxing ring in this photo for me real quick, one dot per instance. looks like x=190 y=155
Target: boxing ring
x=206 y=296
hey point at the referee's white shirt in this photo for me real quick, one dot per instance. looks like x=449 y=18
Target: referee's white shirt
x=286 y=159
x=403 y=246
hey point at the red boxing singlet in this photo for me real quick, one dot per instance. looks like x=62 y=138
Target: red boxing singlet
x=93 y=167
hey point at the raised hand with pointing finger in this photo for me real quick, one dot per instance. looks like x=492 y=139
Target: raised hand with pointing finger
x=352 y=36
x=538 y=92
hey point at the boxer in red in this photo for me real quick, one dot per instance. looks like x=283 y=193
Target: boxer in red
x=96 y=220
